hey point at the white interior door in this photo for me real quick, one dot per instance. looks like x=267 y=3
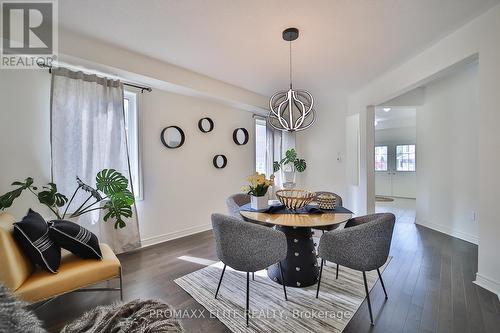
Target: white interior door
x=383 y=183
x=404 y=184
x=396 y=184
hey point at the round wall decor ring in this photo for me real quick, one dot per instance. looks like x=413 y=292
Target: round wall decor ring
x=237 y=136
x=175 y=137
x=219 y=161
x=206 y=124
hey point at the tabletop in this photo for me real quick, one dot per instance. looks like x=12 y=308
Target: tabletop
x=297 y=220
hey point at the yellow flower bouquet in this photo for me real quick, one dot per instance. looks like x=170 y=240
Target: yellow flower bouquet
x=258 y=184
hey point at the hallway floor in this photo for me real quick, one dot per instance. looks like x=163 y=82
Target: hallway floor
x=404 y=209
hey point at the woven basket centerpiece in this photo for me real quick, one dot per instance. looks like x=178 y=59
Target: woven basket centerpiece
x=295 y=199
x=326 y=201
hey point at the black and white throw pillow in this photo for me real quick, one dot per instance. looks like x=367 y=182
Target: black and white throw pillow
x=75 y=238
x=32 y=236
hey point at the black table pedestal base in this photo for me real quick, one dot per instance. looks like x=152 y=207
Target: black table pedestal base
x=300 y=267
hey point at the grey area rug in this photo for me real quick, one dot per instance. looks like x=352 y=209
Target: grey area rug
x=380 y=198
x=133 y=317
x=269 y=312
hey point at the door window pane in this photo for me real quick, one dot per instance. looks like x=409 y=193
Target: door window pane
x=381 y=158
x=405 y=158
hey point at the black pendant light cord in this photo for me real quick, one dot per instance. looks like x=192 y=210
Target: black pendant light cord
x=290 y=64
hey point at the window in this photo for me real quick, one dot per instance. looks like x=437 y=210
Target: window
x=405 y=158
x=260 y=145
x=132 y=131
x=381 y=158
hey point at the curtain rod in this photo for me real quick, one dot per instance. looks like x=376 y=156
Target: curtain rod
x=142 y=88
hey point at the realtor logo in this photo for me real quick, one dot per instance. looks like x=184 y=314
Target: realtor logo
x=29 y=34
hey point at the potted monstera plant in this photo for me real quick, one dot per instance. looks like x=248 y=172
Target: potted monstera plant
x=289 y=165
x=111 y=195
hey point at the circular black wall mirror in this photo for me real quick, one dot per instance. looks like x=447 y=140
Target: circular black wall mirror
x=220 y=161
x=206 y=125
x=172 y=137
x=240 y=136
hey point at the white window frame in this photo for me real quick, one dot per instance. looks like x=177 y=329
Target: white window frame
x=396 y=157
x=134 y=141
x=386 y=158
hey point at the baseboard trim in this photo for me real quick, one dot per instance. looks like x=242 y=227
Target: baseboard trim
x=146 y=242
x=449 y=231
x=488 y=284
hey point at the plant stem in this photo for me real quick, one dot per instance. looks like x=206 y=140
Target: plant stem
x=70 y=201
x=86 y=211
x=76 y=211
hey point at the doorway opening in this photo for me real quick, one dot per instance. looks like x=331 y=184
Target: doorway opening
x=395 y=160
x=425 y=154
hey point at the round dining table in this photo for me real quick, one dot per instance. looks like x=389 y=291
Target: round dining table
x=300 y=267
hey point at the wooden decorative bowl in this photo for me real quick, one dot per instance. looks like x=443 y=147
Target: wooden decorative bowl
x=295 y=199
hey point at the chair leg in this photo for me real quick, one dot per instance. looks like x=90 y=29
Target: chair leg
x=220 y=280
x=337 y=274
x=368 y=298
x=121 y=285
x=253 y=276
x=319 y=278
x=283 y=280
x=323 y=231
x=382 y=283
x=248 y=297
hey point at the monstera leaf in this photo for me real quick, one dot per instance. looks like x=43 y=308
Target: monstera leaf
x=8 y=198
x=111 y=182
x=276 y=166
x=118 y=209
x=119 y=205
x=291 y=155
x=87 y=188
x=51 y=197
x=300 y=164
x=126 y=196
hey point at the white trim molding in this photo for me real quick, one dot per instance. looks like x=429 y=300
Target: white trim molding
x=450 y=231
x=488 y=284
x=146 y=242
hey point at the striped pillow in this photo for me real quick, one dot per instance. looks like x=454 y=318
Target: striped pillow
x=32 y=236
x=75 y=238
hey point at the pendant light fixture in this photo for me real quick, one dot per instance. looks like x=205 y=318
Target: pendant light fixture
x=291 y=110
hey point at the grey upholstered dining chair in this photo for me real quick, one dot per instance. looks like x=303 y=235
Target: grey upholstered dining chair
x=234 y=202
x=247 y=247
x=364 y=246
x=338 y=202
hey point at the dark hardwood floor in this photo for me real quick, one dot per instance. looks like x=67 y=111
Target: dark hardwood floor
x=429 y=282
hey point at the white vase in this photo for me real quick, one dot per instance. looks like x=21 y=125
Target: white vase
x=259 y=203
x=288 y=175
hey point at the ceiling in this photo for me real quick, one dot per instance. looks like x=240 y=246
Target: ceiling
x=395 y=117
x=343 y=44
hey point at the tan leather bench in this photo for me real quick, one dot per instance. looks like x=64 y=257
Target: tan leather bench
x=32 y=284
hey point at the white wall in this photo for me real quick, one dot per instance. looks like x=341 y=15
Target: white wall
x=478 y=37
x=181 y=186
x=391 y=182
x=447 y=155
x=24 y=132
x=320 y=146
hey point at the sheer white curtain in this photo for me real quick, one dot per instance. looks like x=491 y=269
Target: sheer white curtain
x=88 y=135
